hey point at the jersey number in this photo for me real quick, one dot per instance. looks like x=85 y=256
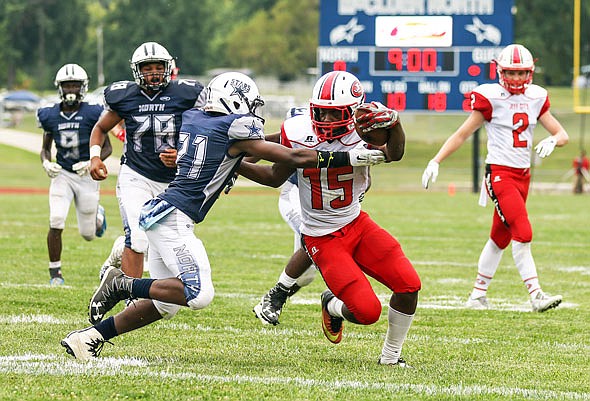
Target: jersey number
x=333 y=183
x=195 y=151
x=521 y=122
x=162 y=125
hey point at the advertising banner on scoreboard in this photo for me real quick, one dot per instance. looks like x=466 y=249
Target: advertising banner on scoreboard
x=416 y=54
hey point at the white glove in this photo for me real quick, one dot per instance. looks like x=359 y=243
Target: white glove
x=52 y=169
x=82 y=168
x=430 y=173
x=546 y=146
x=365 y=157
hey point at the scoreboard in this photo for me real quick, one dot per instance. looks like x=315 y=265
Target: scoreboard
x=421 y=55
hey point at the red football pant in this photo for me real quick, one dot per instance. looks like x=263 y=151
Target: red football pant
x=362 y=247
x=509 y=188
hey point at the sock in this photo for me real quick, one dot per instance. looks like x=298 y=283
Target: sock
x=489 y=259
x=55 y=269
x=286 y=280
x=523 y=258
x=335 y=307
x=106 y=328
x=397 y=330
x=141 y=287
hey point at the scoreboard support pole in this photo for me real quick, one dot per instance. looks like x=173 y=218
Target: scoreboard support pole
x=475 y=161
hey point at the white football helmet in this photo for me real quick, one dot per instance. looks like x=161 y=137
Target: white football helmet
x=232 y=93
x=516 y=58
x=151 y=52
x=340 y=91
x=71 y=73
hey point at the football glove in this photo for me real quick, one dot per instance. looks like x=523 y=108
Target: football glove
x=52 y=169
x=546 y=146
x=82 y=168
x=378 y=116
x=430 y=173
x=365 y=157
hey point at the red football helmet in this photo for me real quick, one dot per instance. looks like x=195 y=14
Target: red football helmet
x=515 y=58
x=340 y=91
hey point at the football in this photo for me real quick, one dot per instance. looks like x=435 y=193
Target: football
x=376 y=137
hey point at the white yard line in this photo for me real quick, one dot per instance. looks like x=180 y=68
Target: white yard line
x=29 y=364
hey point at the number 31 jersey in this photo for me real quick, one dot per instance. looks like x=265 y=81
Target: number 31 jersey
x=151 y=122
x=510 y=121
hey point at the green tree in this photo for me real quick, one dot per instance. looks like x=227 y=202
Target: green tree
x=280 y=42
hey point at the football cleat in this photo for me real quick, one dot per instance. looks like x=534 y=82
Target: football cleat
x=115 y=286
x=55 y=281
x=543 y=301
x=270 y=307
x=115 y=256
x=331 y=325
x=399 y=363
x=101 y=221
x=477 y=303
x=84 y=344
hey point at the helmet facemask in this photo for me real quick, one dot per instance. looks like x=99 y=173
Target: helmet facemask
x=69 y=97
x=329 y=130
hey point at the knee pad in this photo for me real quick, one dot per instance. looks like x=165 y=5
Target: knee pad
x=307 y=277
x=198 y=289
x=57 y=222
x=367 y=307
x=165 y=309
x=201 y=301
x=522 y=230
x=139 y=241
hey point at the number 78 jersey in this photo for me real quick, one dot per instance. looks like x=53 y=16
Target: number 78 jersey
x=510 y=121
x=330 y=198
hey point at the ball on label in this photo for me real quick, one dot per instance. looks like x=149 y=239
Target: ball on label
x=376 y=137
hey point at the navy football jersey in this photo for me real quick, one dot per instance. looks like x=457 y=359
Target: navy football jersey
x=204 y=166
x=152 y=123
x=70 y=131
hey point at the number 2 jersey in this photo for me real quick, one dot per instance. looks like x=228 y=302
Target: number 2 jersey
x=70 y=131
x=151 y=122
x=204 y=166
x=510 y=121
x=330 y=198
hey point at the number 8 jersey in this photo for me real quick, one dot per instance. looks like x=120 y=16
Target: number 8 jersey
x=330 y=198
x=151 y=122
x=510 y=121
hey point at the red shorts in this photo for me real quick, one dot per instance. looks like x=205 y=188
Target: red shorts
x=362 y=247
x=509 y=188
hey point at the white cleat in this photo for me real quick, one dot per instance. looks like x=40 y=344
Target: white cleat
x=479 y=303
x=543 y=302
x=84 y=344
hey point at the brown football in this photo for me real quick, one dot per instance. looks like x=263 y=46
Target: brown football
x=376 y=137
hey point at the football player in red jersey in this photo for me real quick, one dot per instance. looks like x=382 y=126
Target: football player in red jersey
x=510 y=111
x=342 y=241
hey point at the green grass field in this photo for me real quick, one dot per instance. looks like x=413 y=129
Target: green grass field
x=224 y=353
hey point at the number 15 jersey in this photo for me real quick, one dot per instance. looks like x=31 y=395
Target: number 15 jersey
x=330 y=198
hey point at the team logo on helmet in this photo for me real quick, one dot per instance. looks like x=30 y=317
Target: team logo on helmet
x=239 y=87
x=356 y=89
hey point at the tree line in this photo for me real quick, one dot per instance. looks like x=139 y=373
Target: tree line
x=269 y=37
